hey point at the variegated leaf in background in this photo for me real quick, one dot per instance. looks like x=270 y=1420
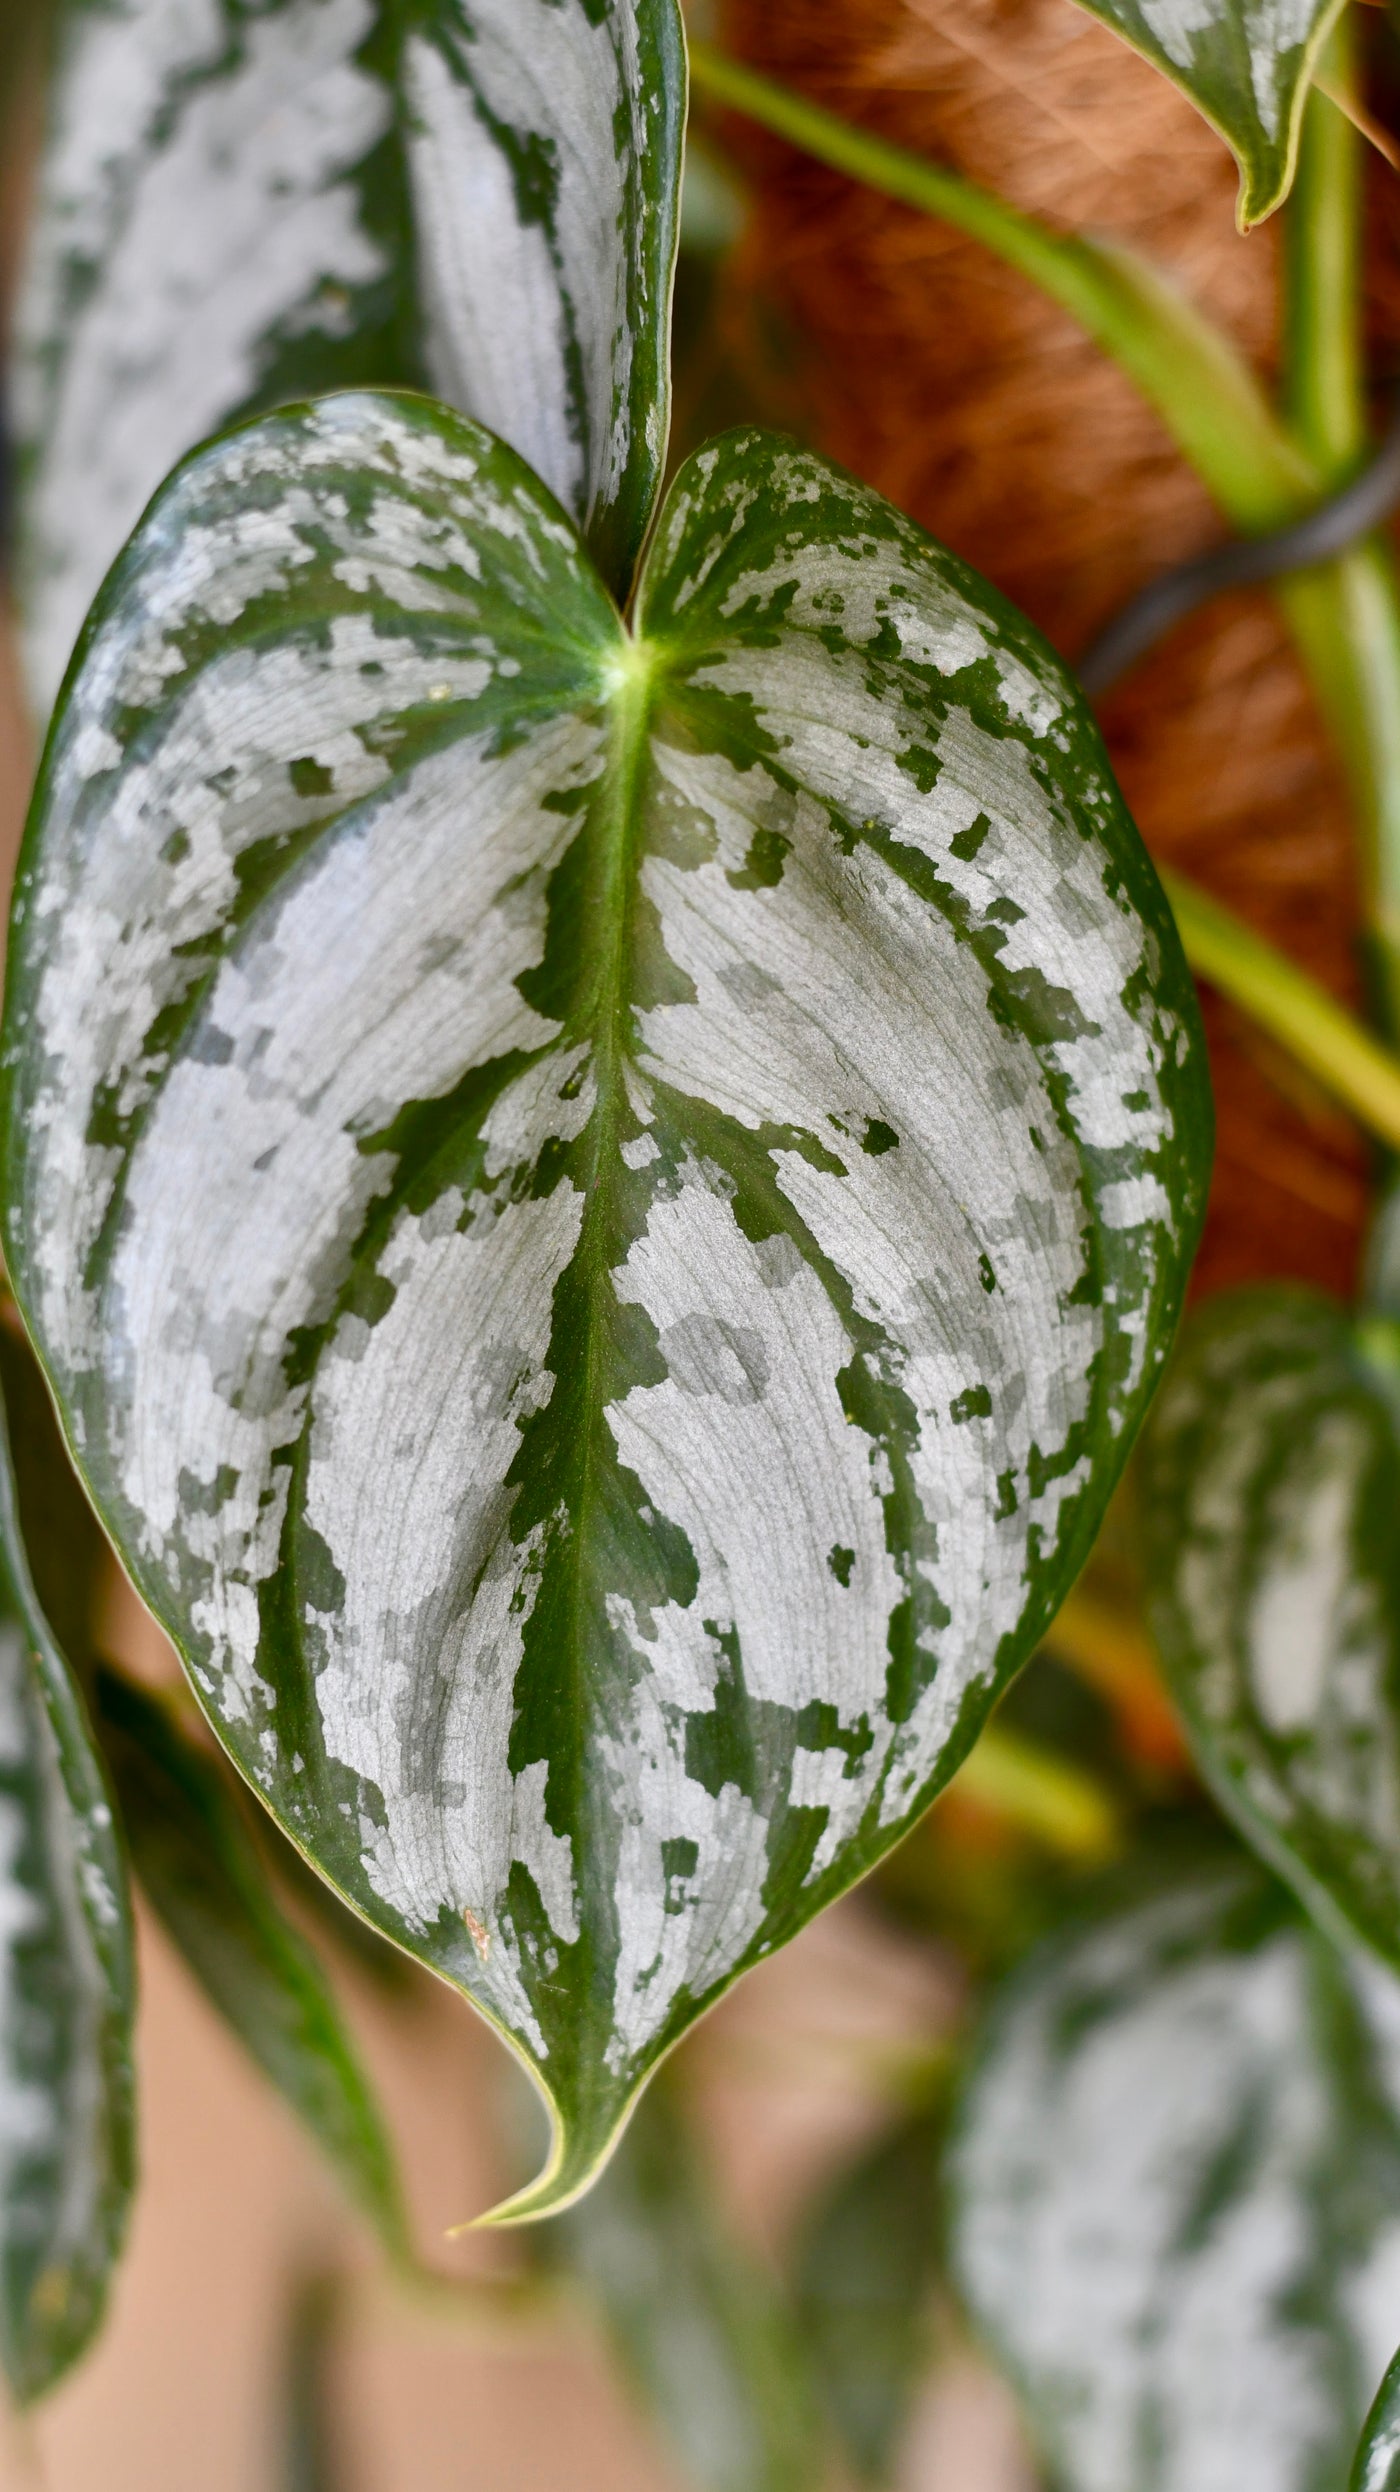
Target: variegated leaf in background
x=242 y=205
x=67 y=2151
x=700 y=2330
x=199 y=1868
x=1176 y=2194
x=602 y=1210
x=1271 y=1487
x=1245 y=64
x=1377 y=2467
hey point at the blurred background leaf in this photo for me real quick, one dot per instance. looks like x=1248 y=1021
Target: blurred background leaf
x=868 y=2264
x=700 y=2329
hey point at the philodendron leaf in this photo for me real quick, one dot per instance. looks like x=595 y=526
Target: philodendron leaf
x=1176 y=2194
x=241 y=205
x=1271 y=1484
x=700 y=2332
x=602 y=1210
x=199 y=1867
x=67 y=1999
x=869 y=2263
x=1245 y=64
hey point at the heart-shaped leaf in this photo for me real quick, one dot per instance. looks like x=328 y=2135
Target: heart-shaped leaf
x=1176 y=2194
x=1377 y=2467
x=199 y=1868
x=1270 y=1494
x=67 y=1997
x=1245 y=64
x=602 y=1209
x=243 y=205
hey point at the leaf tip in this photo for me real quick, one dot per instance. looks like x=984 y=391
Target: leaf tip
x=578 y=2156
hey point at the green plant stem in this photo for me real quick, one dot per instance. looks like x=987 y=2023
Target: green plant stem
x=1323 y=390
x=1193 y=375
x=1318 y=1032
x=1344 y=617
x=1324 y=393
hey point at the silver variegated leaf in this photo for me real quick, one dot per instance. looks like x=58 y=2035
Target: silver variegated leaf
x=1270 y=1494
x=1176 y=2194
x=1245 y=64
x=241 y=205
x=602 y=1209
x=67 y=1999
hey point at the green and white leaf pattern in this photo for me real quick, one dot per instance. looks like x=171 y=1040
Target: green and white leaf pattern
x=602 y=1211
x=241 y=205
x=1271 y=1483
x=1245 y=64
x=1176 y=2194
x=67 y=1995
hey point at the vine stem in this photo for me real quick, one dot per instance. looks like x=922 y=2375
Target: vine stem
x=1344 y=615
x=1319 y=1033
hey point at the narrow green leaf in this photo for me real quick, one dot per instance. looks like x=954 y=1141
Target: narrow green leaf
x=1245 y=64
x=1377 y=2467
x=311 y=2455
x=1176 y=2193
x=200 y=1869
x=67 y=1999
x=242 y=205
x=1270 y=1490
x=701 y=2333
x=869 y=2263
x=602 y=1211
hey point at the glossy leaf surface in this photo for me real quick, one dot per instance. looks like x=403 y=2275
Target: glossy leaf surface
x=1377 y=2467
x=869 y=2263
x=1176 y=2193
x=603 y=1212
x=1271 y=1487
x=67 y=1995
x=1245 y=64
x=700 y=2332
x=241 y=205
x=200 y=1868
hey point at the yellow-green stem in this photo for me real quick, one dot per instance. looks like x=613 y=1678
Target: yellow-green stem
x=1344 y=617
x=1323 y=390
x=1319 y=1033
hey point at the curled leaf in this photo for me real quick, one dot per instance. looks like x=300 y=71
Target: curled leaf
x=1245 y=64
x=602 y=1207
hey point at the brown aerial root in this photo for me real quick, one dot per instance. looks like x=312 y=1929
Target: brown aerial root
x=949 y=383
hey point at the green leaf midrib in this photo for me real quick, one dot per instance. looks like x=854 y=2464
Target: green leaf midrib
x=614 y=903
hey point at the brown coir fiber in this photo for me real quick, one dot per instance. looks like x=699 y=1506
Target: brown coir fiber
x=952 y=385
